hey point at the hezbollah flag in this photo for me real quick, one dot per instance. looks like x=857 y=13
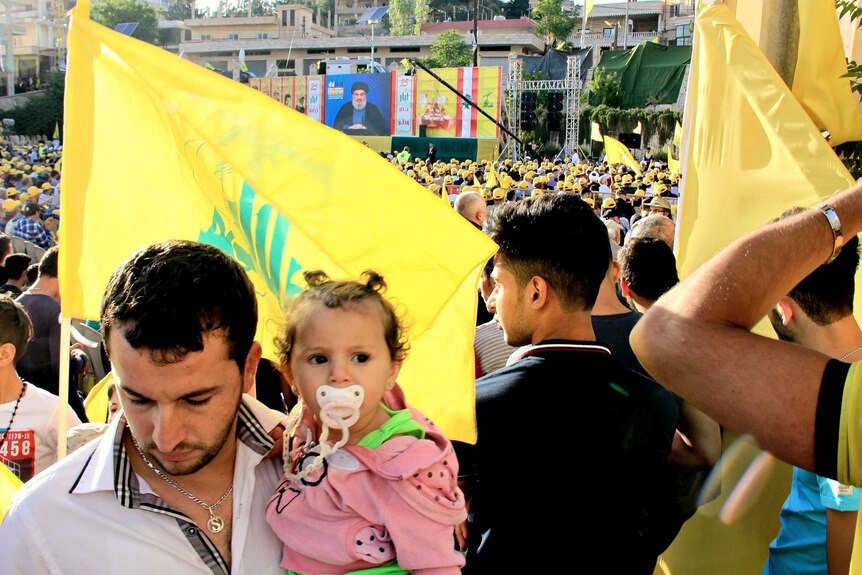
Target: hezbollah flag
x=780 y=152
x=446 y=115
x=750 y=149
x=818 y=83
x=201 y=157
x=618 y=154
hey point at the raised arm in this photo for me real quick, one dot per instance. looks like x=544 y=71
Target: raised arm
x=696 y=339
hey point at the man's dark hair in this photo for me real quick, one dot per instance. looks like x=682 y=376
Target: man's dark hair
x=648 y=266
x=826 y=294
x=48 y=263
x=15 y=326
x=558 y=238
x=166 y=297
x=511 y=196
x=32 y=273
x=5 y=244
x=16 y=264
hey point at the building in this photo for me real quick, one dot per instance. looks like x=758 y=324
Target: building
x=281 y=46
x=668 y=20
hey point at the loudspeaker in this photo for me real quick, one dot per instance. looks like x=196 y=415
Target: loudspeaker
x=555 y=101
x=423 y=130
x=528 y=102
x=555 y=121
x=630 y=140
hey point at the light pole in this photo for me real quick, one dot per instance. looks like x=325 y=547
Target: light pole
x=372 y=22
x=626 y=33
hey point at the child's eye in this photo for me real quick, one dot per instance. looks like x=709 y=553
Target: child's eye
x=317 y=359
x=360 y=357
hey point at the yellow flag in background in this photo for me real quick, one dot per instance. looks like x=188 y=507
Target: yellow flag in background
x=677 y=135
x=672 y=165
x=9 y=484
x=639 y=129
x=595 y=132
x=208 y=159
x=619 y=154
x=817 y=83
x=56 y=131
x=751 y=151
x=491 y=178
x=96 y=403
x=588 y=7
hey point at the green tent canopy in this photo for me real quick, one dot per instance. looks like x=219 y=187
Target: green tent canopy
x=650 y=73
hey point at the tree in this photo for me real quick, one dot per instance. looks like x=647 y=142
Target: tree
x=109 y=13
x=606 y=89
x=258 y=8
x=421 y=14
x=182 y=10
x=37 y=115
x=399 y=14
x=553 y=22
x=450 y=51
x=516 y=9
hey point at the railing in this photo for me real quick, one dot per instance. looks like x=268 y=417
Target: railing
x=600 y=39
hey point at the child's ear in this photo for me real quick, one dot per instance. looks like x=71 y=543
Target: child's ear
x=393 y=375
x=7 y=355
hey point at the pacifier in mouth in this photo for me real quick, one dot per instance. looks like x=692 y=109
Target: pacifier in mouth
x=339 y=406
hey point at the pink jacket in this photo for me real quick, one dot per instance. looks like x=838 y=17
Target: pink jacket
x=365 y=507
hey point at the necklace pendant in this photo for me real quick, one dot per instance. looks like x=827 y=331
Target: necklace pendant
x=215 y=523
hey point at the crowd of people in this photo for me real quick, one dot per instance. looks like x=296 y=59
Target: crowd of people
x=601 y=384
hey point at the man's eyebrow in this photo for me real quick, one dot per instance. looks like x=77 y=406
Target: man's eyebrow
x=190 y=395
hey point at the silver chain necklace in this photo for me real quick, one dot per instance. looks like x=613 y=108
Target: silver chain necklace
x=215 y=523
x=845 y=356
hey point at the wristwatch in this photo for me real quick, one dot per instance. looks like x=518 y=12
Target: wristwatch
x=835 y=224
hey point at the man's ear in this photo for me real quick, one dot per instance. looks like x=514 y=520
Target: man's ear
x=785 y=310
x=538 y=292
x=615 y=271
x=249 y=372
x=624 y=287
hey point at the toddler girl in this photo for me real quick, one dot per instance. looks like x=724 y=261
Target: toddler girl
x=370 y=483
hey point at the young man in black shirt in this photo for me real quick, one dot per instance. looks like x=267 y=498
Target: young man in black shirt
x=566 y=434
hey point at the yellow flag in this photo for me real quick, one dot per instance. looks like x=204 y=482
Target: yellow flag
x=779 y=152
x=9 y=484
x=673 y=165
x=677 y=135
x=618 y=154
x=588 y=7
x=273 y=188
x=817 y=83
x=96 y=402
x=639 y=129
x=595 y=132
x=56 y=131
x=751 y=151
x=491 y=178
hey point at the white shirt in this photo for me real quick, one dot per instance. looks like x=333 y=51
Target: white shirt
x=90 y=513
x=31 y=443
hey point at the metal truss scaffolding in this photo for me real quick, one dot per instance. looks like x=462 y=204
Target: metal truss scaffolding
x=515 y=88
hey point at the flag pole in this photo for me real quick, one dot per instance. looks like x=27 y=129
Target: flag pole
x=63 y=389
x=583 y=39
